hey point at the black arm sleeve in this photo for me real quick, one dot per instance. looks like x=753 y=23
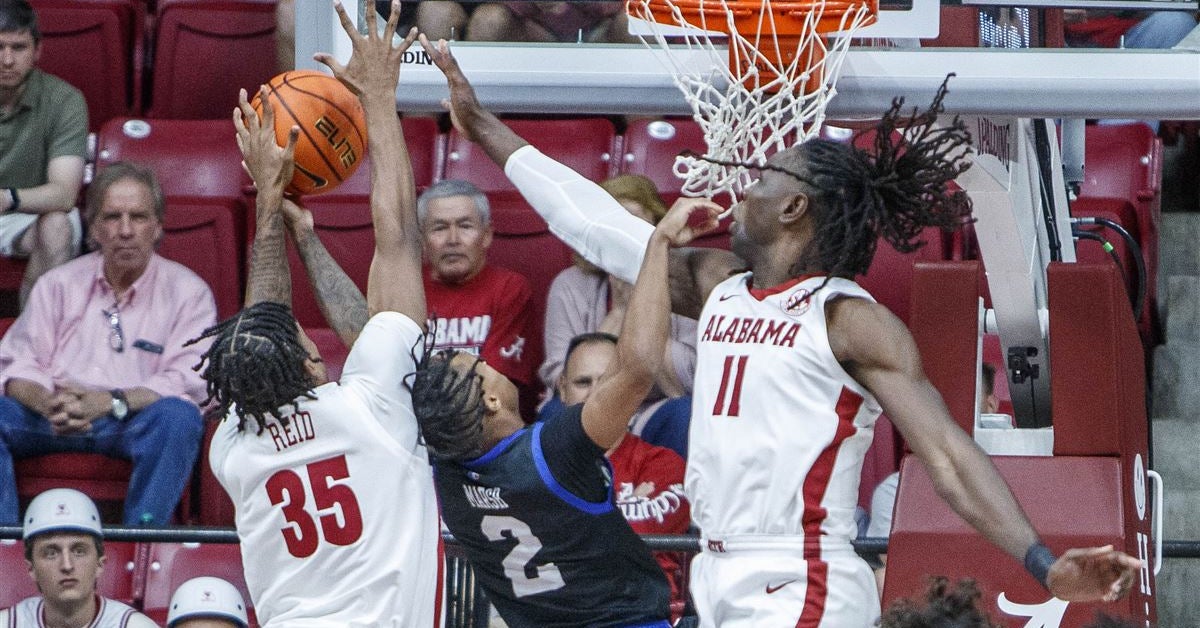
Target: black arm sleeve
x=577 y=463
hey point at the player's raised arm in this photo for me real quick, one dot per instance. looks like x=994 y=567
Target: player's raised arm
x=373 y=74
x=271 y=167
x=642 y=343
x=579 y=212
x=341 y=302
x=879 y=352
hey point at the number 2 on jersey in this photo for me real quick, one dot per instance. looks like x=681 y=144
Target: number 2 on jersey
x=735 y=370
x=518 y=564
x=287 y=487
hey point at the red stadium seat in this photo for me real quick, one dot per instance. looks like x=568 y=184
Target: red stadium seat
x=202 y=234
x=12 y=272
x=205 y=50
x=189 y=157
x=117 y=580
x=889 y=279
x=171 y=564
x=585 y=144
x=426 y=151
x=95 y=45
x=102 y=478
x=216 y=509
x=650 y=148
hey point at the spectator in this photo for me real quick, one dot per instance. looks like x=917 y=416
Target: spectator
x=945 y=607
x=476 y=308
x=207 y=602
x=550 y=22
x=96 y=362
x=43 y=144
x=883 y=499
x=647 y=480
x=64 y=548
x=584 y=299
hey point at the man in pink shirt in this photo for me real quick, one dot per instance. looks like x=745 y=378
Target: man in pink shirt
x=96 y=362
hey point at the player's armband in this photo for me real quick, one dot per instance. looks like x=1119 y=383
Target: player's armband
x=1038 y=560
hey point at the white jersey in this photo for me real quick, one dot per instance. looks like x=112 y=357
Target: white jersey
x=28 y=613
x=336 y=510
x=779 y=430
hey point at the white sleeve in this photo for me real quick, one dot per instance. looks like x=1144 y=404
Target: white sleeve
x=581 y=213
x=883 y=501
x=385 y=353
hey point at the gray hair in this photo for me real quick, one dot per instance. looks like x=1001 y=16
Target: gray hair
x=120 y=171
x=454 y=187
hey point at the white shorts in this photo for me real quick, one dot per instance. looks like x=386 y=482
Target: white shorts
x=13 y=226
x=775 y=587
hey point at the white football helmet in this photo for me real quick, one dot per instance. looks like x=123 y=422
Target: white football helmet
x=207 y=597
x=61 y=510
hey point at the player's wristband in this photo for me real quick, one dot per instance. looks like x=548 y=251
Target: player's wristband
x=1038 y=560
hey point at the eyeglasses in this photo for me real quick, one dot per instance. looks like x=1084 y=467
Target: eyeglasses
x=116 y=337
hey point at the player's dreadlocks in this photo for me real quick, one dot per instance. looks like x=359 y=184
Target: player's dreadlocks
x=945 y=607
x=448 y=405
x=256 y=362
x=893 y=192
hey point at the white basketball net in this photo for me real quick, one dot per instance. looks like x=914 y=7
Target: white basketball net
x=746 y=114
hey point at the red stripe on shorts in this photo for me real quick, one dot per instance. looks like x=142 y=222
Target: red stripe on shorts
x=814 y=514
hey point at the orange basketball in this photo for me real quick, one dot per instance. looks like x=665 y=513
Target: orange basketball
x=333 y=128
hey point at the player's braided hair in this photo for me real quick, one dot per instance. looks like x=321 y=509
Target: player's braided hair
x=448 y=405
x=946 y=607
x=894 y=191
x=255 y=362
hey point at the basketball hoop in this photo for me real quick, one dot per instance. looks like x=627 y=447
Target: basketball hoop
x=778 y=74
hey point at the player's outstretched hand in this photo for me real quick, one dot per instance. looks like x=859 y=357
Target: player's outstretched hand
x=1097 y=573
x=374 y=66
x=268 y=164
x=688 y=219
x=465 y=110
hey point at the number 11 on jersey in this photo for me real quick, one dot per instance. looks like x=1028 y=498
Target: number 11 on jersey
x=729 y=394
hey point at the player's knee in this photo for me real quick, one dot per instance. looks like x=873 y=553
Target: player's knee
x=441 y=20
x=55 y=233
x=179 y=421
x=490 y=22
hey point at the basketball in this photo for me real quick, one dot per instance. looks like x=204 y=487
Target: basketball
x=333 y=129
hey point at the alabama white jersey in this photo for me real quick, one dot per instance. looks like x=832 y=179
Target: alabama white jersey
x=779 y=430
x=335 y=509
x=28 y=613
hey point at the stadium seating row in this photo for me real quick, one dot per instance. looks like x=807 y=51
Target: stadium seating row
x=140 y=574
x=187 y=59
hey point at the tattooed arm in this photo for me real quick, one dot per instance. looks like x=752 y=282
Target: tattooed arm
x=271 y=167
x=341 y=302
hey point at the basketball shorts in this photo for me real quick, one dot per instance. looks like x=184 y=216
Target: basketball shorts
x=775 y=587
x=13 y=226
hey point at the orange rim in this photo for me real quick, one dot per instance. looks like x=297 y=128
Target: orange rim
x=790 y=17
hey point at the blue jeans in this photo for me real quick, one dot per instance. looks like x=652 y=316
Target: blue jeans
x=161 y=440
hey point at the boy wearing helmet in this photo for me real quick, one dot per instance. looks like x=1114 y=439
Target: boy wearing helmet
x=207 y=602
x=64 y=549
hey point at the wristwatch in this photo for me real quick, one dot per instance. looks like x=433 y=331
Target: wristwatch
x=120 y=405
x=16 y=200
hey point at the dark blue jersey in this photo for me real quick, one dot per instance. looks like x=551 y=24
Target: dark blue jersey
x=536 y=518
